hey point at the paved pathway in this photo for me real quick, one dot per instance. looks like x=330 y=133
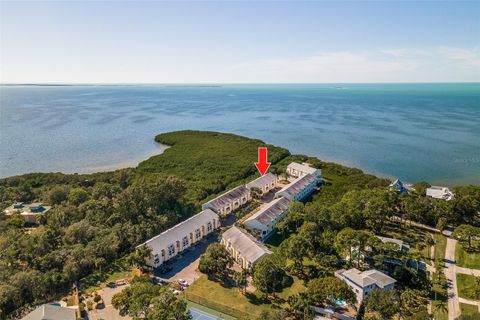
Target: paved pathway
x=450 y=273
x=472 y=302
x=473 y=272
x=416 y=224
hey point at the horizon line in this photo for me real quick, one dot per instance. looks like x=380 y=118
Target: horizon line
x=217 y=83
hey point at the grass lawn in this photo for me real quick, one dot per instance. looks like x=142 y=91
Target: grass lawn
x=117 y=270
x=466 y=286
x=296 y=287
x=440 y=246
x=469 y=310
x=467 y=259
x=226 y=299
x=411 y=235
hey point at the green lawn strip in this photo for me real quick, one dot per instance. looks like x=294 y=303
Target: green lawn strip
x=210 y=311
x=466 y=286
x=226 y=299
x=296 y=287
x=440 y=246
x=469 y=310
x=467 y=259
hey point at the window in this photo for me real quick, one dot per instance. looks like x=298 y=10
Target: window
x=185 y=241
x=163 y=253
x=209 y=226
x=197 y=234
x=171 y=250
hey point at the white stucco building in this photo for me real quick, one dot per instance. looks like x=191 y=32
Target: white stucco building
x=265 y=183
x=264 y=221
x=229 y=201
x=245 y=249
x=30 y=213
x=298 y=189
x=364 y=282
x=295 y=169
x=183 y=235
x=439 y=193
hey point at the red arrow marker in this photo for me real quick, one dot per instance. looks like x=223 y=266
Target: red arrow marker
x=262 y=164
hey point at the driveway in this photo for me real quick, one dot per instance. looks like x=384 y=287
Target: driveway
x=109 y=312
x=184 y=265
x=450 y=273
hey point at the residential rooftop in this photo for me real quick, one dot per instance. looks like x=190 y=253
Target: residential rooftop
x=298 y=185
x=51 y=312
x=171 y=235
x=228 y=197
x=366 y=278
x=304 y=167
x=267 y=178
x=271 y=211
x=246 y=245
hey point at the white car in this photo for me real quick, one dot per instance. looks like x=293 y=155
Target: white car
x=182 y=282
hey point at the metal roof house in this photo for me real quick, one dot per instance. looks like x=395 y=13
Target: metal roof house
x=299 y=189
x=398 y=186
x=295 y=169
x=229 y=201
x=364 y=282
x=245 y=249
x=51 y=312
x=169 y=243
x=29 y=212
x=264 y=221
x=265 y=183
x=439 y=193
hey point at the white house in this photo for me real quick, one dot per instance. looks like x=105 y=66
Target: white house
x=265 y=183
x=295 y=169
x=183 y=235
x=245 y=249
x=364 y=282
x=398 y=187
x=29 y=212
x=298 y=189
x=264 y=221
x=51 y=312
x=439 y=193
x=229 y=201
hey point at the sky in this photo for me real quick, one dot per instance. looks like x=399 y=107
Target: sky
x=239 y=41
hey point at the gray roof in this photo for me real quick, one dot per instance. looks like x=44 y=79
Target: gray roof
x=262 y=181
x=398 y=242
x=228 y=197
x=367 y=278
x=180 y=230
x=51 y=312
x=271 y=211
x=246 y=245
x=297 y=185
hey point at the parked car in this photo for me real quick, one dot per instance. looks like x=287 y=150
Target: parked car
x=182 y=282
x=111 y=285
x=120 y=282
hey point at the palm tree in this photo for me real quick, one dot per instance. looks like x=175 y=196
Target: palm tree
x=441 y=306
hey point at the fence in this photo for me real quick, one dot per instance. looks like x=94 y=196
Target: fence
x=218 y=306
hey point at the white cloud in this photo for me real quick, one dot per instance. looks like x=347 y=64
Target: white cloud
x=386 y=65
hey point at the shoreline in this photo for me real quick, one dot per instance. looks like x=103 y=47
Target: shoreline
x=160 y=148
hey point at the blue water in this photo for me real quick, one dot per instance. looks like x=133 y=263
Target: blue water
x=411 y=131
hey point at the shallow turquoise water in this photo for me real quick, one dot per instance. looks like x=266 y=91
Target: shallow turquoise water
x=411 y=131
